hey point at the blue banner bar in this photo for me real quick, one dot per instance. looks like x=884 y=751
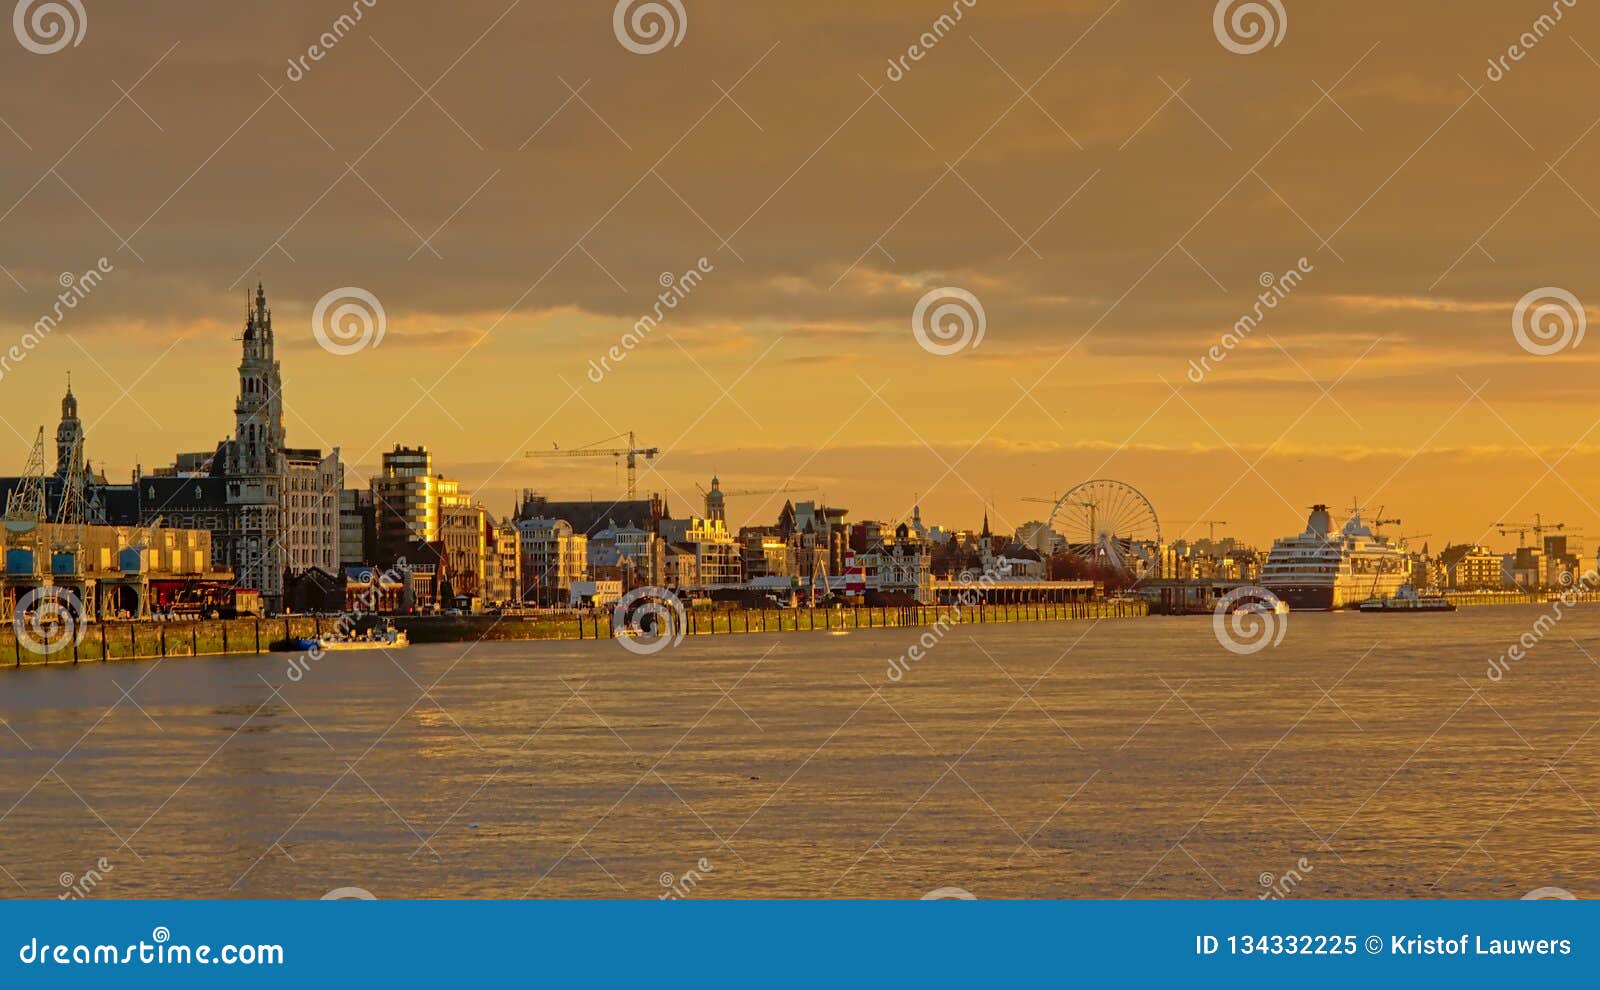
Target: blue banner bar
x=802 y=944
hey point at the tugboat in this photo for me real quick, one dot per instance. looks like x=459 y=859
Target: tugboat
x=1408 y=600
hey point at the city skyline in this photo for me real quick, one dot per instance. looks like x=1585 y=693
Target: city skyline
x=985 y=450
x=554 y=217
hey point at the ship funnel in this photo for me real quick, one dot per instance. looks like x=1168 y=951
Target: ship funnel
x=1319 y=522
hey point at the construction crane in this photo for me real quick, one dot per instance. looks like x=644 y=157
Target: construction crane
x=1210 y=524
x=631 y=452
x=1538 y=528
x=26 y=505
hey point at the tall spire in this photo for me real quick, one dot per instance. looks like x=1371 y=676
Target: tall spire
x=69 y=435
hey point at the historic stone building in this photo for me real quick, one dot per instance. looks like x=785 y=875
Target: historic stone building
x=282 y=503
x=273 y=509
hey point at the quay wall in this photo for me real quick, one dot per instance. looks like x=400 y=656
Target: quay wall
x=106 y=641
x=1466 y=598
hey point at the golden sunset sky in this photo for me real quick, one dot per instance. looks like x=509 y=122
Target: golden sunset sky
x=1106 y=176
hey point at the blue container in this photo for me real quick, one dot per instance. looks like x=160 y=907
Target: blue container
x=19 y=560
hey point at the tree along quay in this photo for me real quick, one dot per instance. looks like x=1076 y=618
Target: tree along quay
x=107 y=641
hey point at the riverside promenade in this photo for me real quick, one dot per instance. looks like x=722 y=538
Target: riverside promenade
x=106 y=641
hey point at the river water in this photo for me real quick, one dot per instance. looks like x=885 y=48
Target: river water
x=1364 y=756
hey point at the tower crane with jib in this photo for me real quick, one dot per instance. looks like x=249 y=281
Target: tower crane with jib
x=1538 y=528
x=632 y=452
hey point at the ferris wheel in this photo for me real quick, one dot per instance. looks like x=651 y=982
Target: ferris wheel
x=1108 y=523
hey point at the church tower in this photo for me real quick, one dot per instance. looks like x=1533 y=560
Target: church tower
x=716 y=507
x=256 y=465
x=258 y=414
x=69 y=437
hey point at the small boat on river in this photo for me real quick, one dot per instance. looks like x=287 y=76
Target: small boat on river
x=1407 y=600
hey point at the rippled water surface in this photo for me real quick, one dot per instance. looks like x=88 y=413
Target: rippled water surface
x=1367 y=756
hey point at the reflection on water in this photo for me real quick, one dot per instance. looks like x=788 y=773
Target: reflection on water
x=1367 y=756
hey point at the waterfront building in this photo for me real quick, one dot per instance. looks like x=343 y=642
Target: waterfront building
x=271 y=509
x=1017 y=561
x=681 y=569
x=358 y=523
x=818 y=535
x=623 y=534
x=899 y=570
x=596 y=593
x=119 y=571
x=464 y=533
x=282 y=503
x=1208 y=560
x=311 y=533
x=592 y=515
x=1561 y=560
x=371 y=589
x=418 y=511
x=503 y=573
x=765 y=553
x=718 y=559
x=554 y=558
x=1526 y=568
x=405 y=497
x=633 y=552
x=1040 y=538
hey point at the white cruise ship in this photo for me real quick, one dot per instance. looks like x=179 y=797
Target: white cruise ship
x=1320 y=570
